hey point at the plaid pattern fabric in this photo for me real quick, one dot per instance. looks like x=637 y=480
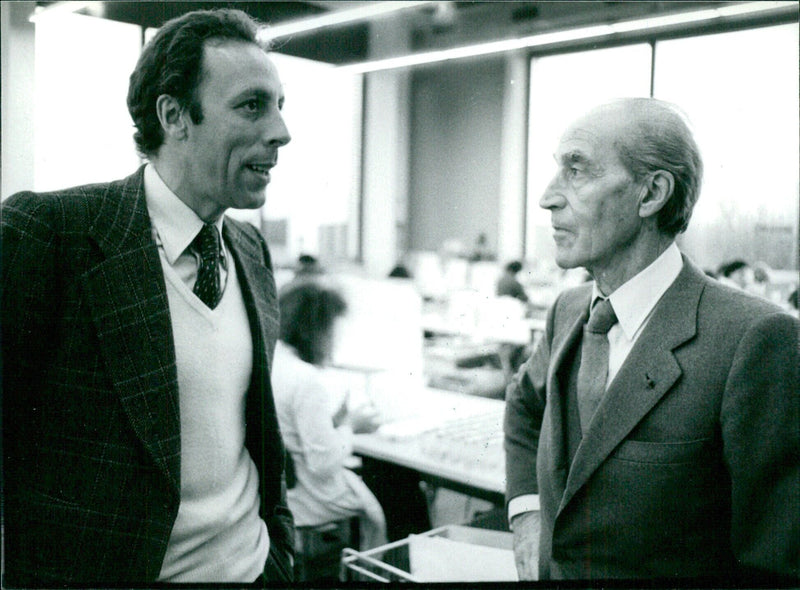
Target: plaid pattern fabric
x=91 y=430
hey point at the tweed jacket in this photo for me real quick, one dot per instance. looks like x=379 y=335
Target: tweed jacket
x=91 y=430
x=691 y=467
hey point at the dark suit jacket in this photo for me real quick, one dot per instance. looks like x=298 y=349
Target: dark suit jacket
x=91 y=431
x=692 y=467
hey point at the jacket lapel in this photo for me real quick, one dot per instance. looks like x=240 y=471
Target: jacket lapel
x=554 y=426
x=128 y=301
x=262 y=437
x=646 y=375
x=255 y=276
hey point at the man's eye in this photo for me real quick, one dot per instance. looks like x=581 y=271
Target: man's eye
x=572 y=172
x=253 y=105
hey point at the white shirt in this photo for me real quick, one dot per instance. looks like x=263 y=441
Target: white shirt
x=633 y=302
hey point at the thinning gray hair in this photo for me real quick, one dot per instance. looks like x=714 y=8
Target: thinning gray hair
x=660 y=138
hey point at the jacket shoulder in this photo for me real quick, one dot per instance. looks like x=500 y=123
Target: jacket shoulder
x=736 y=305
x=573 y=301
x=63 y=209
x=249 y=237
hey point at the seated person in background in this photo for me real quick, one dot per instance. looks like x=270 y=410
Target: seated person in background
x=481 y=250
x=508 y=285
x=325 y=490
x=308 y=265
x=736 y=273
x=400 y=271
x=760 y=284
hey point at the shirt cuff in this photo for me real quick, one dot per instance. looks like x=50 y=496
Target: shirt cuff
x=520 y=504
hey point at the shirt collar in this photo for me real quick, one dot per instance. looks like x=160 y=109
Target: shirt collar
x=175 y=223
x=635 y=299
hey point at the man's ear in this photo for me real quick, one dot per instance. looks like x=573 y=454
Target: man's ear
x=171 y=116
x=656 y=191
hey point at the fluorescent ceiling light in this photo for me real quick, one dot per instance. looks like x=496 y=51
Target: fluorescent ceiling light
x=329 y=19
x=543 y=39
x=338 y=17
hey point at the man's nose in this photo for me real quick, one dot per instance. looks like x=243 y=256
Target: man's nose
x=552 y=196
x=277 y=133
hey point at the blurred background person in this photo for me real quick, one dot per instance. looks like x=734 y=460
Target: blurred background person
x=400 y=271
x=736 y=273
x=762 y=279
x=308 y=265
x=509 y=285
x=481 y=250
x=792 y=300
x=319 y=441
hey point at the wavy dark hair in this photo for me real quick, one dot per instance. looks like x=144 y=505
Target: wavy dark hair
x=308 y=311
x=172 y=63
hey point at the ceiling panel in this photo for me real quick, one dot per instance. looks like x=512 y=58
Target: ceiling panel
x=432 y=25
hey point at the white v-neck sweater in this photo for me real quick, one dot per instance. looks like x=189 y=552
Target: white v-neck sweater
x=218 y=535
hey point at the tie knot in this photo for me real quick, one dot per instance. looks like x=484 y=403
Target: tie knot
x=207 y=242
x=602 y=317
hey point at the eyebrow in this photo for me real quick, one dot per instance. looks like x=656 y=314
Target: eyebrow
x=573 y=157
x=259 y=93
x=591 y=166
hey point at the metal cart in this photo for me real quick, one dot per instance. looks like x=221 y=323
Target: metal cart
x=394 y=562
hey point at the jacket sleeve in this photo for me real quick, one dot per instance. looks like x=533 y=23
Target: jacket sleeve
x=30 y=243
x=760 y=422
x=278 y=518
x=525 y=404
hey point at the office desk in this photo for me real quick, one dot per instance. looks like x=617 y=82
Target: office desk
x=452 y=440
x=521 y=332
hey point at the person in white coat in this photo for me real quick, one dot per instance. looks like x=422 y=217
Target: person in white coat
x=317 y=439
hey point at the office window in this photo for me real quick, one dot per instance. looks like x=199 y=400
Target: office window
x=740 y=90
x=82 y=130
x=316 y=185
x=561 y=88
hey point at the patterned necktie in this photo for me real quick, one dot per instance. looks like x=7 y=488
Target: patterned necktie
x=207 y=286
x=593 y=372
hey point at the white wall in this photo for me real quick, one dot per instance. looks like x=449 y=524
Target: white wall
x=17 y=37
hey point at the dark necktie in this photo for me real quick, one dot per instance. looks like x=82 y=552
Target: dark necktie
x=593 y=372
x=207 y=286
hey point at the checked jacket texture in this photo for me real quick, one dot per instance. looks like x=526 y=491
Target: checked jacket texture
x=91 y=425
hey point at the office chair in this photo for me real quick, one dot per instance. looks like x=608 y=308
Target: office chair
x=318 y=548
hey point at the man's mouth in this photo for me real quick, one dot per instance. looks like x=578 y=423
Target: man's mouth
x=262 y=169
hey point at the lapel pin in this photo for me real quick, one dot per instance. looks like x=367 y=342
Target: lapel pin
x=649 y=380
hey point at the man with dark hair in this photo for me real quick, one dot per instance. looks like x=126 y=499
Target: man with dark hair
x=659 y=439
x=140 y=440
x=508 y=285
x=736 y=273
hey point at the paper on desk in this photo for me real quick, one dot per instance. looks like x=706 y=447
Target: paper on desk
x=437 y=559
x=409 y=428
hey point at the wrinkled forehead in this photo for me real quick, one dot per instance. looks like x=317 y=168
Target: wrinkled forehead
x=597 y=132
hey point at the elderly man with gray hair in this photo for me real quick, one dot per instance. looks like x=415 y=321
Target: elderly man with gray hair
x=654 y=431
